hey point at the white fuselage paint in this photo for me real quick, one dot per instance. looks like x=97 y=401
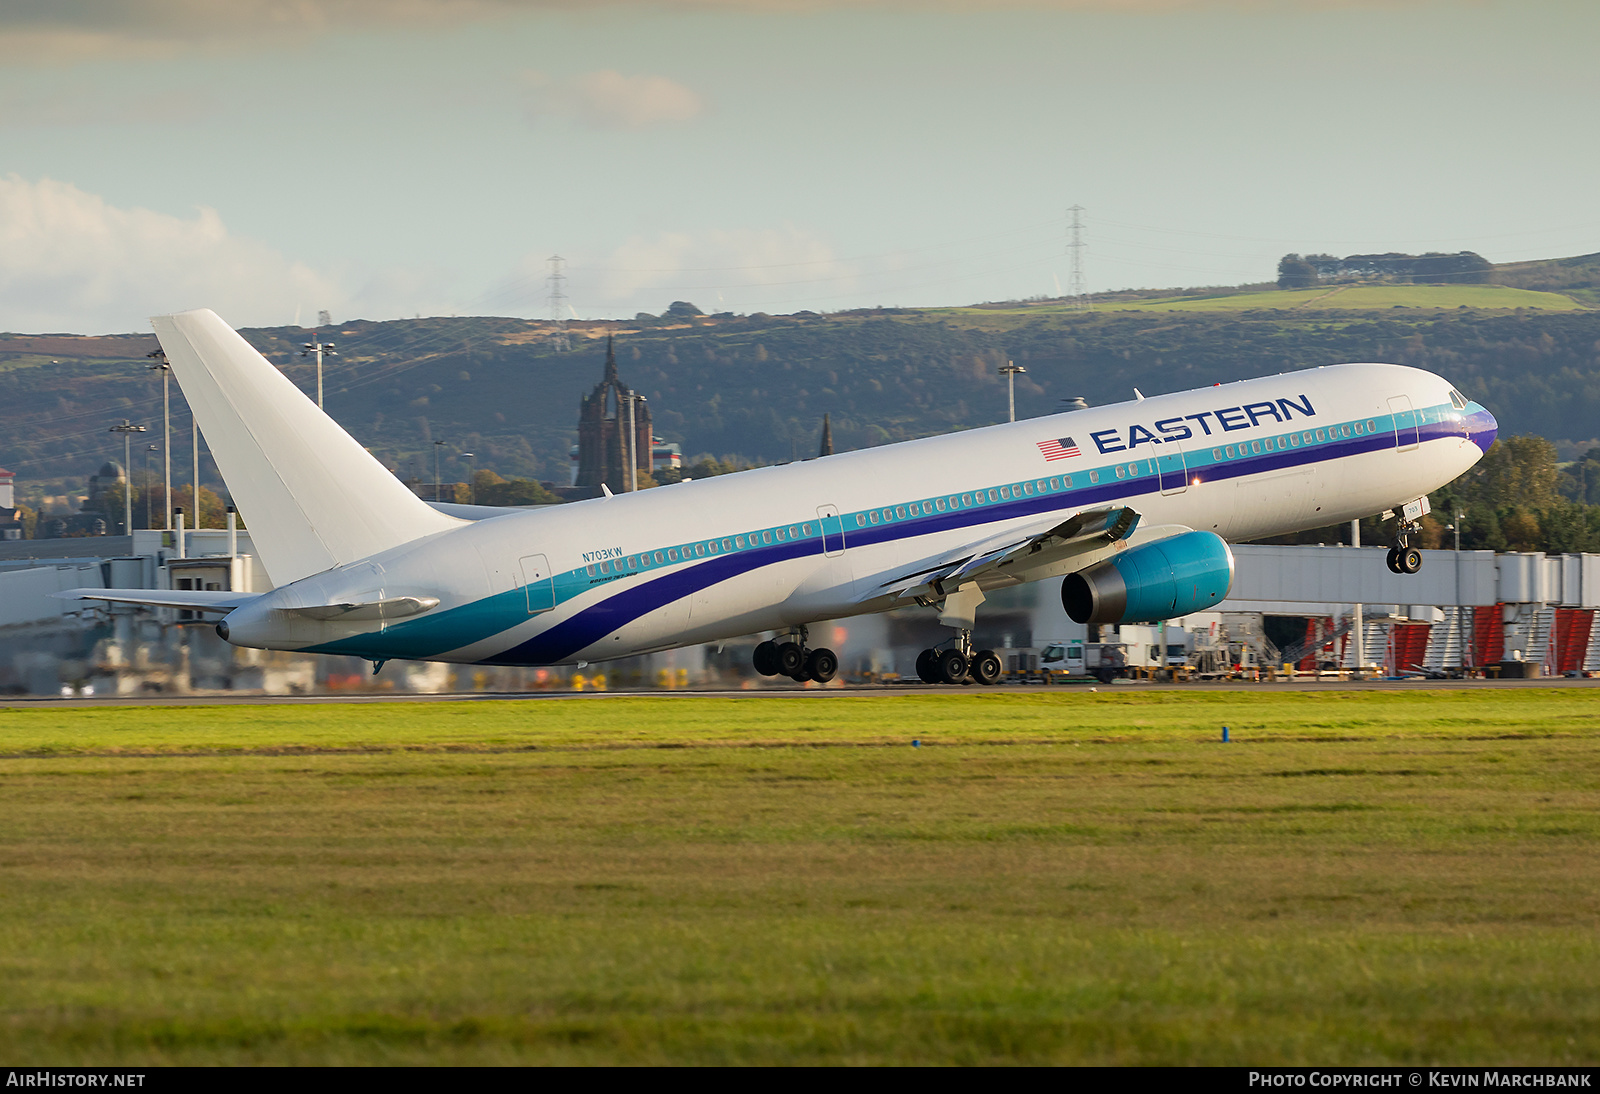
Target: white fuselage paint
x=1268 y=486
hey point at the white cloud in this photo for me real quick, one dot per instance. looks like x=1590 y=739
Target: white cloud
x=609 y=100
x=71 y=262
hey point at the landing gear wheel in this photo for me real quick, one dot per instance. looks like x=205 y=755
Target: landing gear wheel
x=985 y=668
x=952 y=667
x=766 y=659
x=822 y=665
x=801 y=675
x=1409 y=561
x=1394 y=561
x=928 y=667
x=790 y=658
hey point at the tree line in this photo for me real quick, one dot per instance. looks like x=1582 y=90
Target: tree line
x=750 y=390
x=1432 y=268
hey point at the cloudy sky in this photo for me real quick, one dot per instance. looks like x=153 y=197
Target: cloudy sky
x=379 y=158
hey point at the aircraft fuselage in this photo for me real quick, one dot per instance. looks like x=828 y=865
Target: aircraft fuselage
x=779 y=547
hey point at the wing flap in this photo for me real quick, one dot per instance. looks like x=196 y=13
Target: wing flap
x=1019 y=549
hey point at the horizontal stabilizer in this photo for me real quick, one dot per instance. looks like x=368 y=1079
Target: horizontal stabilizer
x=194 y=600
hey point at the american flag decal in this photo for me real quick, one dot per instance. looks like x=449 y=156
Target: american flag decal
x=1059 y=449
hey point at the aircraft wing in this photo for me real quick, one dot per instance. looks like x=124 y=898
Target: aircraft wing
x=1048 y=541
x=194 y=600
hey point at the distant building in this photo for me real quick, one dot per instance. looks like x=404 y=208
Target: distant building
x=96 y=516
x=604 y=422
x=10 y=518
x=109 y=475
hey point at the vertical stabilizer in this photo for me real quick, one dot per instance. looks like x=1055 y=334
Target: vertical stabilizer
x=312 y=497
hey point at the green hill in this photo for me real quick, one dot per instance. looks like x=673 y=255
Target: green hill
x=1337 y=298
x=1577 y=277
x=1370 y=297
x=756 y=387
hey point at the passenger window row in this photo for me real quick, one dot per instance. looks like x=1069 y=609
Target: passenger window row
x=1293 y=440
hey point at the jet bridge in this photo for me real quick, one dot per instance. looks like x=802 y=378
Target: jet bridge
x=1464 y=609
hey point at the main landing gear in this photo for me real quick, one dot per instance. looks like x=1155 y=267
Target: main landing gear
x=958 y=664
x=786 y=657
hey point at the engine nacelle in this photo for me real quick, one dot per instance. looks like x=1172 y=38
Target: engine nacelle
x=1155 y=581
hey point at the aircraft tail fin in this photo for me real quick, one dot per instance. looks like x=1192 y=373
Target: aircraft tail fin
x=312 y=497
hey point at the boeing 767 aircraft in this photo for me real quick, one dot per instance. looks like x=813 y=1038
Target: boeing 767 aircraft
x=1132 y=505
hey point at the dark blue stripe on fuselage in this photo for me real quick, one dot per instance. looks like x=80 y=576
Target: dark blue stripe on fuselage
x=638 y=599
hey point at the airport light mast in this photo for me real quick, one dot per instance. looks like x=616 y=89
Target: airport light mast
x=149 y=448
x=127 y=430
x=437 y=445
x=1009 y=370
x=472 y=474
x=166 y=427
x=319 y=349
x=194 y=424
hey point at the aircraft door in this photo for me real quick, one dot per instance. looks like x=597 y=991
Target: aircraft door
x=1174 y=470
x=1405 y=423
x=539 y=584
x=832 y=530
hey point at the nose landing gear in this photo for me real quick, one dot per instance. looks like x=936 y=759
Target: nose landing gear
x=1404 y=558
x=786 y=657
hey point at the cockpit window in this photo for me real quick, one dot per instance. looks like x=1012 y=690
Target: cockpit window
x=1458 y=400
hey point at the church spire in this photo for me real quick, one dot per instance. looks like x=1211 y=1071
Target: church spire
x=827 y=437
x=611 y=361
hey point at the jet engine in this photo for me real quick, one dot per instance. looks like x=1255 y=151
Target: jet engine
x=1170 y=577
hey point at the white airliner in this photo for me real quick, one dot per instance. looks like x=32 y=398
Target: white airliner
x=1133 y=504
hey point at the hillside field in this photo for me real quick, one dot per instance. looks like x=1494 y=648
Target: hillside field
x=754 y=389
x=1047 y=878
x=1347 y=298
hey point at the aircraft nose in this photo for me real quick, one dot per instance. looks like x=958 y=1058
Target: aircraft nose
x=1482 y=428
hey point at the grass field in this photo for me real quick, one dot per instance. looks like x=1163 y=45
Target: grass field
x=1355 y=878
x=1366 y=297
x=1348 y=298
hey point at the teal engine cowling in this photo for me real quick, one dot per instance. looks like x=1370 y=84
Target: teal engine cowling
x=1154 y=581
